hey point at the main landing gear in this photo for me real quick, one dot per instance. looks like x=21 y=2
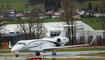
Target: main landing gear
x=37 y=53
x=17 y=55
x=53 y=52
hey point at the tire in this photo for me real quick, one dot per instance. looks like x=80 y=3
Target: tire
x=17 y=55
x=54 y=53
x=37 y=53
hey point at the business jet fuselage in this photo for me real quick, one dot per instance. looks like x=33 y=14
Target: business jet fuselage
x=40 y=45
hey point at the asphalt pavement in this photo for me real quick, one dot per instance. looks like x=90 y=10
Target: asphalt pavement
x=59 y=55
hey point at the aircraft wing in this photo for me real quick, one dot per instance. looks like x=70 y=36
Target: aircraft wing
x=71 y=46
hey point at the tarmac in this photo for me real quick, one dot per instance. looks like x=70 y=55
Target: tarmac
x=59 y=55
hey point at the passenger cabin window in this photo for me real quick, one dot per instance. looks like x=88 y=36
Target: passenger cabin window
x=12 y=33
x=54 y=33
x=20 y=43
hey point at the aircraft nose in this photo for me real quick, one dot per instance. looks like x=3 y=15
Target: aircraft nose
x=14 y=48
x=17 y=48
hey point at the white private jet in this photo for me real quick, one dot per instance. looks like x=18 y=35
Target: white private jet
x=43 y=45
x=55 y=39
x=40 y=45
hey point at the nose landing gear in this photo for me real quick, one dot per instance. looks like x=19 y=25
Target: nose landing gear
x=16 y=53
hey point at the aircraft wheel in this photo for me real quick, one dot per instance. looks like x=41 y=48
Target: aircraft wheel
x=37 y=53
x=54 y=52
x=17 y=55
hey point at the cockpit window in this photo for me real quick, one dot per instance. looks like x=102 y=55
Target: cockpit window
x=20 y=43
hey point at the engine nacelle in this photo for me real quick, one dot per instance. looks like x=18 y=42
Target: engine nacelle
x=58 y=40
x=62 y=40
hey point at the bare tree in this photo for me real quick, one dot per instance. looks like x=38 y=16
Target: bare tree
x=33 y=29
x=69 y=13
x=2 y=25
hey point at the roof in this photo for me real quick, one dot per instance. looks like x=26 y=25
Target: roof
x=49 y=26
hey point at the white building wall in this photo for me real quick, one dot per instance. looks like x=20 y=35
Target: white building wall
x=82 y=29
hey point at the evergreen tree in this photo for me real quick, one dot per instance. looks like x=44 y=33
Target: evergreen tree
x=89 y=6
x=52 y=5
x=81 y=1
x=49 y=4
x=33 y=2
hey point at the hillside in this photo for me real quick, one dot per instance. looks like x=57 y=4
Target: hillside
x=23 y=4
x=18 y=5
